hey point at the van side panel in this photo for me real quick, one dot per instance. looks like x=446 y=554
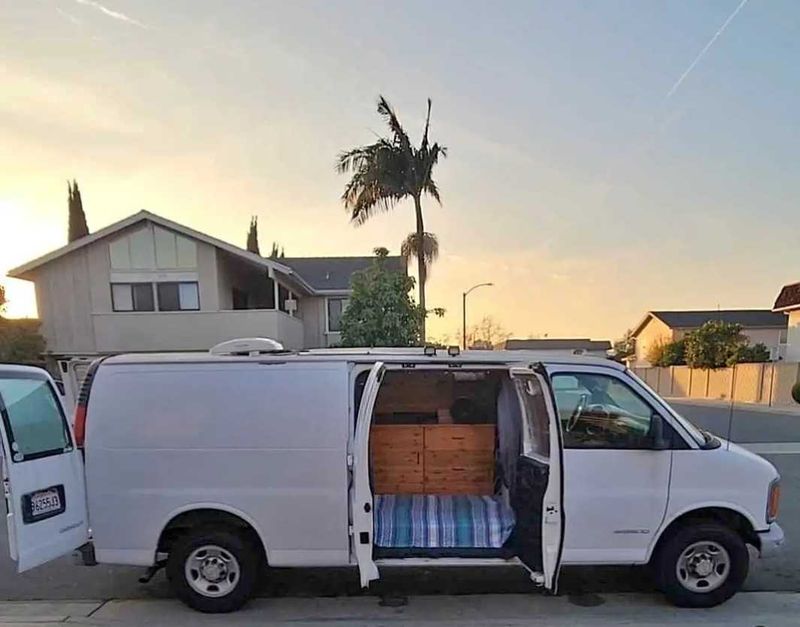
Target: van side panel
x=267 y=440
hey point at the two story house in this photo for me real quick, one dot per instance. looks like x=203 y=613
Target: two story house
x=146 y=283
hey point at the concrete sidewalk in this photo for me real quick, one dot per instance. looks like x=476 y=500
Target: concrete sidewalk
x=746 y=609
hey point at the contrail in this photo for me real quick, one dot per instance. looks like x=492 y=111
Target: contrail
x=111 y=13
x=706 y=48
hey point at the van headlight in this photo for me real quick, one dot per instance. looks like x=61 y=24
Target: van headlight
x=773 y=499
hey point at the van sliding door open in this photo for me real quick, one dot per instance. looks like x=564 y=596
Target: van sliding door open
x=360 y=491
x=42 y=470
x=537 y=494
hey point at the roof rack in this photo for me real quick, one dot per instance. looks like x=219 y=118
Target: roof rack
x=248 y=346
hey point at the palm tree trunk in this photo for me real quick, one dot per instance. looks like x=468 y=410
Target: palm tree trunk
x=421 y=269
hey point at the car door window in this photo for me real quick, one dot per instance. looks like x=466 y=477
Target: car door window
x=34 y=421
x=600 y=411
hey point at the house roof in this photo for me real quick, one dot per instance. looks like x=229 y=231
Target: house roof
x=333 y=274
x=559 y=344
x=747 y=318
x=20 y=271
x=789 y=298
x=315 y=274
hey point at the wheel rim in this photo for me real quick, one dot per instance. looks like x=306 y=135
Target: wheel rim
x=703 y=566
x=212 y=571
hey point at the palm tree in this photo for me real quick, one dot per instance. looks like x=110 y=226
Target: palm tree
x=430 y=249
x=389 y=171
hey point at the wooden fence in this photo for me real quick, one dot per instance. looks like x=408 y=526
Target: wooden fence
x=765 y=384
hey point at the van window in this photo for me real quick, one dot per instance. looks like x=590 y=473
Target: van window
x=599 y=411
x=536 y=436
x=34 y=421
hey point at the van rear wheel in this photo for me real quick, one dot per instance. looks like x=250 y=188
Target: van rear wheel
x=702 y=565
x=213 y=570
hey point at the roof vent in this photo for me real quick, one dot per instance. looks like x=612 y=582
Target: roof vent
x=247 y=346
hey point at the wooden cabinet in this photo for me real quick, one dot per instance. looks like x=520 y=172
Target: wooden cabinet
x=433 y=459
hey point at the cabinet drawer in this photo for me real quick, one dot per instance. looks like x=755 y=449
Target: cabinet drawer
x=398 y=474
x=408 y=437
x=387 y=457
x=398 y=488
x=459 y=474
x=446 y=459
x=472 y=487
x=459 y=437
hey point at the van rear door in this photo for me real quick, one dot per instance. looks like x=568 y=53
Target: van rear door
x=537 y=496
x=42 y=470
x=361 y=491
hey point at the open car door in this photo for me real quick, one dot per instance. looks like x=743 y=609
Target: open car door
x=361 y=491
x=537 y=493
x=42 y=470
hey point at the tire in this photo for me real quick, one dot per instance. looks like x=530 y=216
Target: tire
x=214 y=569
x=702 y=564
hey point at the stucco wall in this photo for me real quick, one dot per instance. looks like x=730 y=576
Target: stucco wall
x=314 y=313
x=653 y=332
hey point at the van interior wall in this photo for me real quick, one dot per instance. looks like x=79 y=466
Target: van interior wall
x=434 y=462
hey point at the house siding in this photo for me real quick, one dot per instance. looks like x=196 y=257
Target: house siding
x=64 y=301
x=654 y=331
x=793 y=337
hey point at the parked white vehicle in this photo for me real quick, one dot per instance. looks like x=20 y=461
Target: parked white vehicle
x=214 y=465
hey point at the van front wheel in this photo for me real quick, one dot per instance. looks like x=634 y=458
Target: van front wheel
x=702 y=565
x=213 y=570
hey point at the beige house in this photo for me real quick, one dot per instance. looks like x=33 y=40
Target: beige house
x=758 y=325
x=146 y=283
x=788 y=303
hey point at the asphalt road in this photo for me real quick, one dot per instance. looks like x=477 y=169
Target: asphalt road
x=63 y=580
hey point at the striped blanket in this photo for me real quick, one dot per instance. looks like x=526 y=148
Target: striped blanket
x=441 y=521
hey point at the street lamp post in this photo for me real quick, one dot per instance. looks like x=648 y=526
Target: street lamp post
x=464 y=311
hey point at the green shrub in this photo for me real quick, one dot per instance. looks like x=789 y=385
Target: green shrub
x=796 y=392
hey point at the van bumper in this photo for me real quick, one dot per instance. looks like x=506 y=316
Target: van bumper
x=771 y=541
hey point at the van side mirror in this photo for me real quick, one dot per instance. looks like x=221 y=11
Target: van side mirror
x=657 y=440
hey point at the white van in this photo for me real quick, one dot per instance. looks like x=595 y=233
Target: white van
x=214 y=465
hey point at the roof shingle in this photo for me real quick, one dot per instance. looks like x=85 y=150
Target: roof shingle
x=789 y=297
x=335 y=273
x=748 y=318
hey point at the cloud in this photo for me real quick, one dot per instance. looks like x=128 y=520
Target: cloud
x=117 y=15
x=68 y=16
x=705 y=49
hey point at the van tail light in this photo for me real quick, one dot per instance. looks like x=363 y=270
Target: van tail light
x=773 y=500
x=79 y=424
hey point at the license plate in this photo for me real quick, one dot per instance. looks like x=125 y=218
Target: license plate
x=43 y=504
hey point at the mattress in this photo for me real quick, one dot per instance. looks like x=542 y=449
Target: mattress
x=441 y=521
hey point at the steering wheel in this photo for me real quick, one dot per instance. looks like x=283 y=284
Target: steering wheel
x=576 y=414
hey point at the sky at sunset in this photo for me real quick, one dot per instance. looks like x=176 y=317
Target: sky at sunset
x=605 y=158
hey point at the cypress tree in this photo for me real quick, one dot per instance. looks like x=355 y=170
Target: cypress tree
x=252 y=236
x=77 y=218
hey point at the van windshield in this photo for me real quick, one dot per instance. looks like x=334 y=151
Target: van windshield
x=697 y=434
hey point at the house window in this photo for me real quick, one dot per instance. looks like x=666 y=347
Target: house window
x=336 y=307
x=178 y=297
x=132 y=297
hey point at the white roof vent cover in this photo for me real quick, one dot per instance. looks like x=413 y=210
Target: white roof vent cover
x=247 y=346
